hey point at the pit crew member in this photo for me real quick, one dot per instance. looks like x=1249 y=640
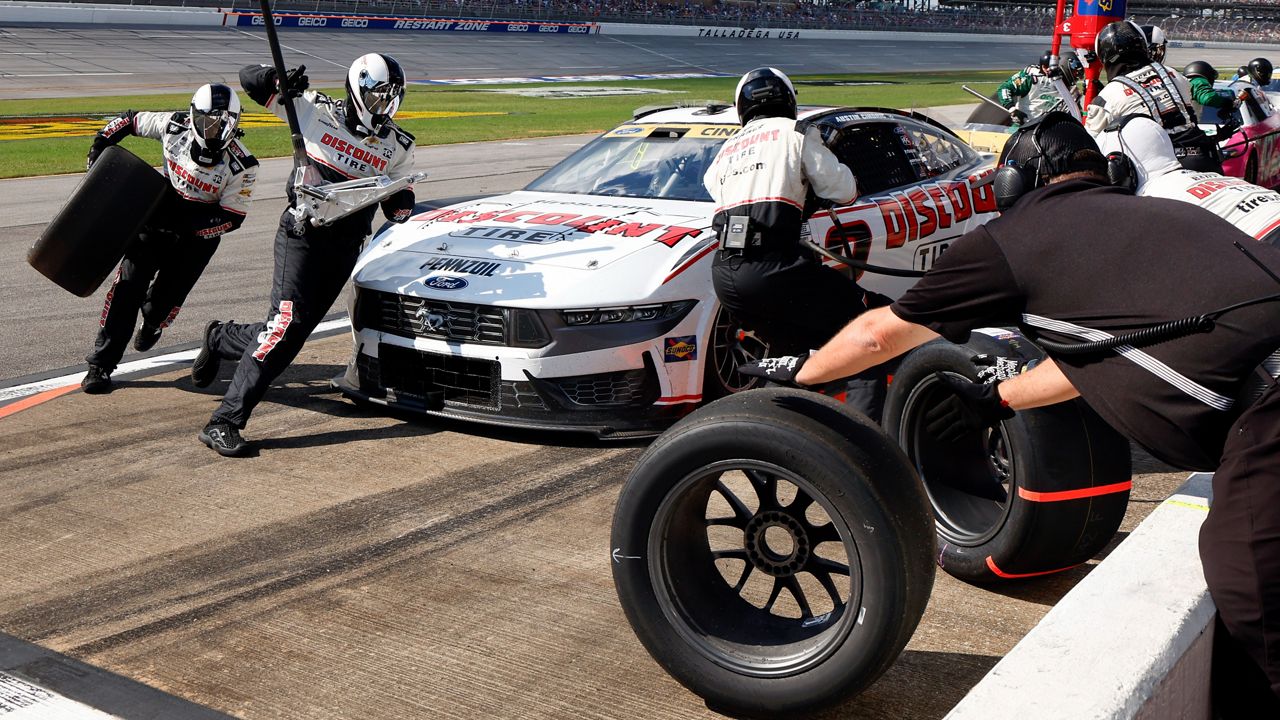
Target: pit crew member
x=1157 y=173
x=1176 y=399
x=345 y=139
x=1201 y=76
x=1036 y=90
x=762 y=273
x=211 y=177
x=1138 y=86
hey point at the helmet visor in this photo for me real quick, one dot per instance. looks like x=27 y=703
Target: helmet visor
x=214 y=127
x=379 y=98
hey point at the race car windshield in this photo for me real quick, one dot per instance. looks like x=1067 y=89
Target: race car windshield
x=640 y=161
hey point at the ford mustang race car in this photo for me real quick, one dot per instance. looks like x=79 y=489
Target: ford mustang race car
x=1252 y=150
x=584 y=301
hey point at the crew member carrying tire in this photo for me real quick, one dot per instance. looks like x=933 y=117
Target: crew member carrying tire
x=1175 y=398
x=763 y=273
x=211 y=177
x=349 y=139
x=1138 y=86
x=1036 y=90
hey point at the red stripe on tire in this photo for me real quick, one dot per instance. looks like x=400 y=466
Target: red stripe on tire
x=1061 y=495
x=991 y=565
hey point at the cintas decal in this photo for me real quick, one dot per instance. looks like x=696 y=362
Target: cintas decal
x=668 y=235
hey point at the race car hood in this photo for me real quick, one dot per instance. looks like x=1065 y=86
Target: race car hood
x=574 y=238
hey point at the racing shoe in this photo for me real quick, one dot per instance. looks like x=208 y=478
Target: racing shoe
x=224 y=438
x=205 y=368
x=97 y=381
x=146 y=338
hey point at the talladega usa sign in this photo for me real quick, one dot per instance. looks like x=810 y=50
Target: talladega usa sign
x=362 y=22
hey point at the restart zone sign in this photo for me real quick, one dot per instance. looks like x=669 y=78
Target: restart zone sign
x=360 y=22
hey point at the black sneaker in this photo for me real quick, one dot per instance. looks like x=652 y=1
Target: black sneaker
x=97 y=381
x=224 y=438
x=146 y=338
x=205 y=368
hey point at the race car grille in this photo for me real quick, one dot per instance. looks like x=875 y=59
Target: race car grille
x=468 y=381
x=619 y=388
x=521 y=395
x=429 y=318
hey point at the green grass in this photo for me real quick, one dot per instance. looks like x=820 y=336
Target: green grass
x=524 y=118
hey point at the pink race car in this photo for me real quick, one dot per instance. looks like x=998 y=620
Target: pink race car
x=1250 y=151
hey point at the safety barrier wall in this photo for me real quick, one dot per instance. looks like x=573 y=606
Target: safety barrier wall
x=12 y=12
x=1131 y=641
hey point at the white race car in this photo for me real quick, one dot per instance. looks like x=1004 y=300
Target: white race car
x=584 y=301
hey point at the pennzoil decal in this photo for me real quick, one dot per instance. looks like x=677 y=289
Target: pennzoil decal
x=680 y=349
x=461 y=265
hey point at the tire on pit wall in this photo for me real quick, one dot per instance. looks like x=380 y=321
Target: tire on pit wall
x=90 y=234
x=772 y=552
x=1043 y=492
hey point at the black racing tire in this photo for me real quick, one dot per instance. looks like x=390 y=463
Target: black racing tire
x=990 y=114
x=729 y=347
x=1041 y=493
x=90 y=234
x=766 y=490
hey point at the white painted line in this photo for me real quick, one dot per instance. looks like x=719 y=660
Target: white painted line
x=160 y=361
x=24 y=700
x=70 y=74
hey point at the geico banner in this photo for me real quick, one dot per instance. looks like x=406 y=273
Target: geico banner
x=355 y=22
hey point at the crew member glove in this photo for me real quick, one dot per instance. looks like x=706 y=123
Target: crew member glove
x=1018 y=117
x=781 y=370
x=993 y=368
x=970 y=407
x=94 y=152
x=296 y=82
x=399 y=207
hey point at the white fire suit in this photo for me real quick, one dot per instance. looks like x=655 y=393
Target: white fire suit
x=1154 y=91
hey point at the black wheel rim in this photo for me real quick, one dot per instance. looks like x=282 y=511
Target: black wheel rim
x=971 y=482
x=731 y=348
x=754 y=568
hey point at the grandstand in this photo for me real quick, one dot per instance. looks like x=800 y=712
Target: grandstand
x=1238 y=20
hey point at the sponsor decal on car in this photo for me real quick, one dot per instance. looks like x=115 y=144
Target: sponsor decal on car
x=461 y=265
x=680 y=349
x=445 y=282
x=668 y=235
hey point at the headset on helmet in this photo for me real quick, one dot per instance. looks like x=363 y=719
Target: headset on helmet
x=1260 y=70
x=1156 y=42
x=1122 y=47
x=1025 y=163
x=215 y=115
x=1201 y=69
x=765 y=92
x=1072 y=68
x=375 y=87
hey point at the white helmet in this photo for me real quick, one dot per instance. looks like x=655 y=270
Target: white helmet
x=1156 y=42
x=215 y=115
x=375 y=87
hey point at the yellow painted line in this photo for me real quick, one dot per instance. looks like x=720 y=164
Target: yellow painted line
x=1193 y=506
x=82 y=126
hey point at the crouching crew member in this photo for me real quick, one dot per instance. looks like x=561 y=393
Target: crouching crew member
x=1177 y=399
x=763 y=273
x=345 y=139
x=1138 y=86
x=211 y=177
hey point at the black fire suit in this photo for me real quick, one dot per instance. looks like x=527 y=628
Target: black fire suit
x=312 y=264
x=204 y=202
x=775 y=286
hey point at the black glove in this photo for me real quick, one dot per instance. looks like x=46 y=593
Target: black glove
x=94 y=152
x=398 y=207
x=970 y=407
x=781 y=370
x=830 y=134
x=296 y=82
x=993 y=368
x=1018 y=117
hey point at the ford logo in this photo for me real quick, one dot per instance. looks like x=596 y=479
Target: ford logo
x=445 y=282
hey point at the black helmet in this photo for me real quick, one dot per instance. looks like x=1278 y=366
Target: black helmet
x=1260 y=70
x=215 y=115
x=1072 y=68
x=1201 y=69
x=375 y=87
x=1122 y=48
x=765 y=92
x=1242 y=72
x=1046 y=61
x=1156 y=42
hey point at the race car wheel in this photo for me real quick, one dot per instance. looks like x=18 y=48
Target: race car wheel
x=731 y=347
x=990 y=114
x=92 y=231
x=771 y=552
x=1042 y=492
